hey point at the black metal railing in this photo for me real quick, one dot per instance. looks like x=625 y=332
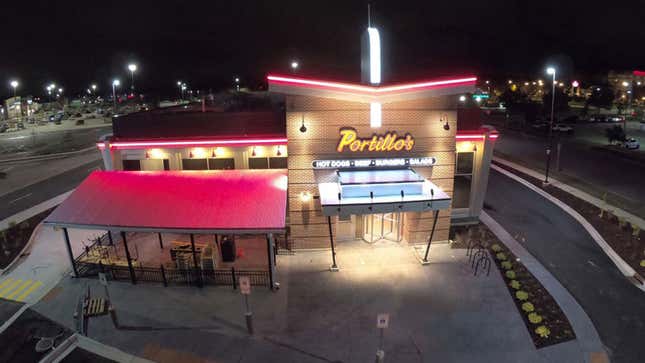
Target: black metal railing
x=172 y=276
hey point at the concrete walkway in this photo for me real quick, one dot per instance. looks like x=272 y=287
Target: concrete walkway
x=587 y=339
x=438 y=313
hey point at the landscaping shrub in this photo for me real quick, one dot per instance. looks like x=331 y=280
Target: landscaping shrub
x=535 y=318
x=510 y=274
x=501 y=256
x=528 y=307
x=515 y=284
x=522 y=295
x=542 y=331
x=496 y=248
x=507 y=265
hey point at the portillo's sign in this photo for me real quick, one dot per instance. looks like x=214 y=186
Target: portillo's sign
x=349 y=141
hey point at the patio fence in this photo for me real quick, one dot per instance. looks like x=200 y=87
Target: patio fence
x=166 y=276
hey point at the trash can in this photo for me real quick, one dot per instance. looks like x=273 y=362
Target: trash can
x=228 y=249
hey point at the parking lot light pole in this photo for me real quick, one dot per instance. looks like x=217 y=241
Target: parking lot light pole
x=550 y=71
x=132 y=68
x=115 y=84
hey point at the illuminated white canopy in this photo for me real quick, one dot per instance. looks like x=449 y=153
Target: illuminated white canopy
x=375 y=55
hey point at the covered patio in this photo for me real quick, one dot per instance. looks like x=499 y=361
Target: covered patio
x=196 y=227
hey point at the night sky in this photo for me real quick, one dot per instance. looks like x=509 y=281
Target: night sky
x=207 y=44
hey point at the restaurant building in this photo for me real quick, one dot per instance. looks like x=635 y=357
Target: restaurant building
x=351 y=162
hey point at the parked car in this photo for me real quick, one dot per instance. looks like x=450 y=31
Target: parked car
x=630 y=143
x=617 y=118
x=3 y=128
x=598 y=118
x=540 y=125
x=563 y=128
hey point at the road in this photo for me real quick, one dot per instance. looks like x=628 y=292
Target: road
x=561 y=244
x=31 y=195
x=594 y=171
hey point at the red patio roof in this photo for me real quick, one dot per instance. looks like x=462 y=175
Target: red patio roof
x=226 y=201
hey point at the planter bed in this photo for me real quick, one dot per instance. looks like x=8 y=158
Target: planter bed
x=554 y=324
x=14 y=238
x=627 y=241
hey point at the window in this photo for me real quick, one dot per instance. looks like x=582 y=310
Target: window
x=463 y=180
x=258 y=163
x=194 y=164
x=464 y=163
x=131 y=165
x=220 y=164
x=278 y=163
x=166 y=164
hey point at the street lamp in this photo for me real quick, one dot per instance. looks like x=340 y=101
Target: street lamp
x=551 y=71
x=132 y=68
x=116 y=83
x=294 y=66
x=14 y=84
x=237 y=83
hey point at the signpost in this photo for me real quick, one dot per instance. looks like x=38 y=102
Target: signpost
x=245 y=289
x=382 y=322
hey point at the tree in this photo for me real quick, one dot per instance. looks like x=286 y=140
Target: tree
x=601 y=97
x=615 y=133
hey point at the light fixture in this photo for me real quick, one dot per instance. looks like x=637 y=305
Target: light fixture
x=444 y=118
x=462 y=98
x=147 y=154
x=213 y=154
x=303 y=128
x=305 y=196
x=190 y=154
x=253 y=151
x=278 y=152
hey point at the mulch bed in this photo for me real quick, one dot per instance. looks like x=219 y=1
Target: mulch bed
x=14 y=238
x=553 y=318
x=627 y=241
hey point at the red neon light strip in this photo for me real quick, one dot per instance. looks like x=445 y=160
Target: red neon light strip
x=373 y=90
x=639 y=73
x=187 y=143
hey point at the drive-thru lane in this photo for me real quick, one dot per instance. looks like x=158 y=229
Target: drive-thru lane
x=563 y=246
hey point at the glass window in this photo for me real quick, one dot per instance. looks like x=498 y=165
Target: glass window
x=220 y=164
x=465 y=163
x=166 y=164
x=194 y=164
x=461 y=191
x=131 y=165
x=278 y=163
x=258 y=163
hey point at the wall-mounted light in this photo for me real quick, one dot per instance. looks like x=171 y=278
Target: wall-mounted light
x=444 y=119
x=278 y=151
x=253 y=151
x=303 y=128
x=305 y=196
x=214 y=154
x=147 y=154
x=475 y=148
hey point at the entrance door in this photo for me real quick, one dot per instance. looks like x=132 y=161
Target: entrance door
x=387 y=226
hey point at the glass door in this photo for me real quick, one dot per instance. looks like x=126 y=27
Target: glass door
x=383 y=226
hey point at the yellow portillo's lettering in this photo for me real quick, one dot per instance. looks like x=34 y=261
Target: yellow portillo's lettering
x=390 y=141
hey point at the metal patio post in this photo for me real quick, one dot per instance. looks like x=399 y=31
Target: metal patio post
x=434 y=224
x=69 y=252
x=270 y=258
x=160 y=241
x=333 y=251
x=192 y=246
x=127 y=256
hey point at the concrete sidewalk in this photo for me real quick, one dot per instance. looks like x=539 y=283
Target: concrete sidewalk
x=587 y=339
x=438 y=313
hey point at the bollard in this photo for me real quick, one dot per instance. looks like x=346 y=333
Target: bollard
x=249 y=322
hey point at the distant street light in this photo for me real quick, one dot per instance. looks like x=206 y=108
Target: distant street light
x=462 y=98
x=294 y=66
x=237 y=83
x=93 y=88
x=551 y=71
x=116 y=83
x=60 y=90
x=14 y=84
x=132 y=68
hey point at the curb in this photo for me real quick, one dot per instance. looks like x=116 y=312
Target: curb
x=622 y=266
x=586 y=333
x=47 y=156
